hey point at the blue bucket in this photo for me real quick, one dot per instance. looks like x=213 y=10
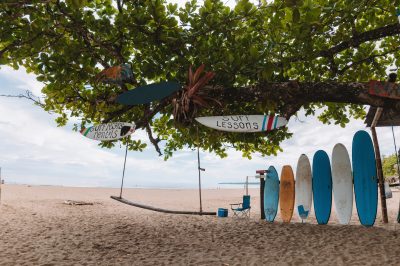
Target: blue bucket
x=222 y=212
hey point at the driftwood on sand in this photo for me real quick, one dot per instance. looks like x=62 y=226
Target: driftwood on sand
x=75 y=202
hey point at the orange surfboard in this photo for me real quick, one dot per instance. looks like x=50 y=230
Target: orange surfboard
x=286 y=193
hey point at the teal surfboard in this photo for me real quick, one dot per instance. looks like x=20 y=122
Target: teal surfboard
x=271 y=194
x=365 y=178
x=322 y=186
x=148 y=93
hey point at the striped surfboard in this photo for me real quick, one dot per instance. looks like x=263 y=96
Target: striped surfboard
x=243 y=123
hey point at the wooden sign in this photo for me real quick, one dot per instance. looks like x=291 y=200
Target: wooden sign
x=384 y=89
x=110 y=131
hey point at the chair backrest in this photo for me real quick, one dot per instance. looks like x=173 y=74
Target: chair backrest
x=246 y=202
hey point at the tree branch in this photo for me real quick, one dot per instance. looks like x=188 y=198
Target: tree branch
x=355 y=41
x=153 y=140
x=28 y=95
x=366 y=60
x=290 y=96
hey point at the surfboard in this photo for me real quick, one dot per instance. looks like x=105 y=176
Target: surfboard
x=342 y=183
x=365 y=178
x=287 y=193
x=109 y=131
x=303 y=187
x=148 y=93
x=243 y=123
x=322 y=186
x=271 y=194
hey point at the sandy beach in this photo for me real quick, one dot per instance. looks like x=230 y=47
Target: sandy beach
x=37 y=228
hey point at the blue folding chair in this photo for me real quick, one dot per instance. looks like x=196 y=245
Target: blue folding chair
x=242 y=209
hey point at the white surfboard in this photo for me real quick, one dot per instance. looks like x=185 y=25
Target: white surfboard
x=243 y=123
x=110 y=131
x=303 y=187
x=342 y=182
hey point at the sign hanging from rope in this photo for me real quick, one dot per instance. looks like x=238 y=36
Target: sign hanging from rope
x=148 y=93
x=109 y=131
x=243 y=123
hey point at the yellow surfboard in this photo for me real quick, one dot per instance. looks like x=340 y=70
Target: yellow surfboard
x=286 y=193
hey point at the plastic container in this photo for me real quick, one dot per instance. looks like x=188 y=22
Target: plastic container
x=222 y=212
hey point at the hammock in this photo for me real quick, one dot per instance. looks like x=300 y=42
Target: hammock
x=150 y=208
x=147 y=207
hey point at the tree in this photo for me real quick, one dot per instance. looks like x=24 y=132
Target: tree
x=274 y=58
x=389 y=166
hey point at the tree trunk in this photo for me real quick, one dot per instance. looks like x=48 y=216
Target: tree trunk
x=291 y=95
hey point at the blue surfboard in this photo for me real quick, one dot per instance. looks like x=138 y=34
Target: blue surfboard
x=148 y=93
x=365 y=178
x=322 y=186
x=271 y=194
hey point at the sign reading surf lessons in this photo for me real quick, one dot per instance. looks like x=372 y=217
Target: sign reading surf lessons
x=110 y=131
x=243 y=123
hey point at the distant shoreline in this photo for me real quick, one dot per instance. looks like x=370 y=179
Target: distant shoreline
x=224 y=186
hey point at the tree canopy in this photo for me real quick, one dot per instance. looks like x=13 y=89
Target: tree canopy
x=276 y=57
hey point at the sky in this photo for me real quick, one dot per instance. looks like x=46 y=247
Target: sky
x=33 y=150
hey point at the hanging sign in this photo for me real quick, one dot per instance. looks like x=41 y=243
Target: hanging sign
x=116 y=75
x=148 y=93
x=243 y=123
x=384 y=89
x=109 y=131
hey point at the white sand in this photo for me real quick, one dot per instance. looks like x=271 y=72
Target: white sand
x=37 y=228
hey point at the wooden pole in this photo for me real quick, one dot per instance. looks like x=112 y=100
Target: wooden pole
x=262 y=185
x=379 y=166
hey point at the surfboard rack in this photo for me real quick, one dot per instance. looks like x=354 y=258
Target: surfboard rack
x=147 y=207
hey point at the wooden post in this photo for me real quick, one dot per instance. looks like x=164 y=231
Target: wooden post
x=262 y=185
x=379 y=166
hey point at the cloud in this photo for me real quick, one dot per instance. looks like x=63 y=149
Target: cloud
x=20 y=80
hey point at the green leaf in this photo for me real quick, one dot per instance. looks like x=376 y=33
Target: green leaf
x=296 y=15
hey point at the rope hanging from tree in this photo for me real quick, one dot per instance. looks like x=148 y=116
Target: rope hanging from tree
x=151 y=208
